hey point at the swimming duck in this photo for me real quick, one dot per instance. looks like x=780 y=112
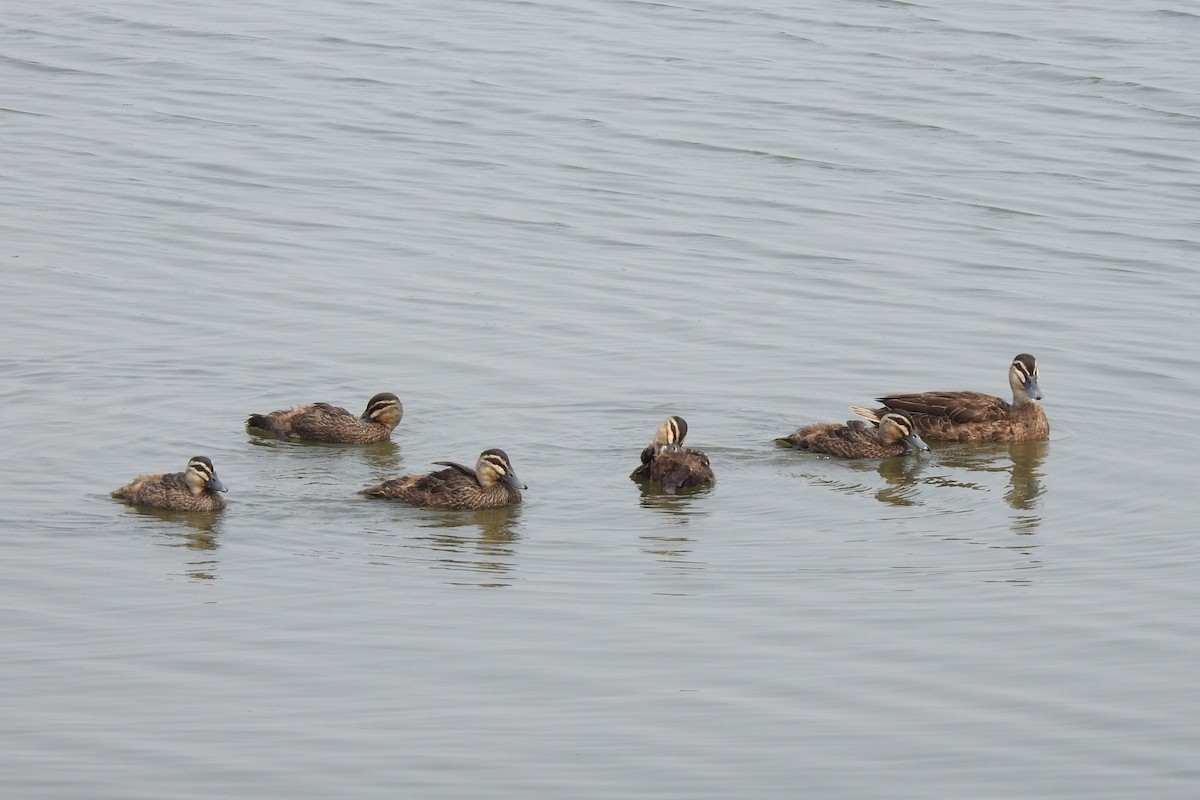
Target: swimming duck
x=195 y=489
x=978 y=417
x=322 y=422
x=890 y=434
x=492 y=484
x=671 y=466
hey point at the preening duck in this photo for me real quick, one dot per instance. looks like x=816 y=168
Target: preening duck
x=667 y=464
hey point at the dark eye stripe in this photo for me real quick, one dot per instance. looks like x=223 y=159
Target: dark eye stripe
x=497 y=462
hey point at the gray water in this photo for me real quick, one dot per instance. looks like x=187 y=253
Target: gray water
x=546 y=227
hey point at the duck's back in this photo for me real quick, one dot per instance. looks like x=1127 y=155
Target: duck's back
x=319 y=422
x=843 y=441
x=454 y=488
x=971 y=417
x=957 y=407
x=678 y=469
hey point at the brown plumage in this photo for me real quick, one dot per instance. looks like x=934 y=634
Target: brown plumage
x=322 y=422
x=196 y=489
x=666 y=463
x=978 y=417
x=492 y=484
x=891 y=434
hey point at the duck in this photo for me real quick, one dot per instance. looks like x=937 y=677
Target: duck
x=670 y=466
x=195 y=489
x=492 y=484
x=891 y=433
x=974 y=416
x=322 y=422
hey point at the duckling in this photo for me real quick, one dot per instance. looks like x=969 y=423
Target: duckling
x=492 y=484
x=978 y=417
x=671 y=466
x=192 y=490
x=322 y=422
x=891 y=434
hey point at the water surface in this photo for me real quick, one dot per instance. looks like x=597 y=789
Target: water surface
x=546 y=227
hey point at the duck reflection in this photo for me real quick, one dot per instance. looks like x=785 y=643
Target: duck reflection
x=1021 y=462
x=902 y=478
x=1025 y=486
x=473 y=541
x=677 y=510
x=675 y=504
x=1025 y=479
x=952 y=466
x=201 y=538
x=383 y=457
x=674 y=550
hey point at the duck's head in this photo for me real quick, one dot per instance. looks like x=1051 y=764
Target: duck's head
x=1023 y=378
x=670 y=434
x=494 y=466
x=201 y=475
x=898 y=426
x=384 y=409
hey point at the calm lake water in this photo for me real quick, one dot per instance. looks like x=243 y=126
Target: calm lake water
x=546 y=226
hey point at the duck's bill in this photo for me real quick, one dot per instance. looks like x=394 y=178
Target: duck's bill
x=915 y=442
